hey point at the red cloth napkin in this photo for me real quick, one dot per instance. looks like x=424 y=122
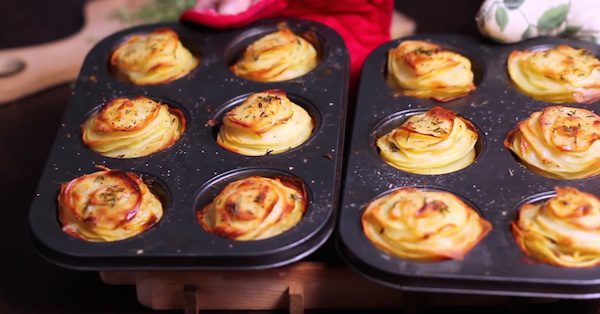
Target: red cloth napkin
x=364 y=24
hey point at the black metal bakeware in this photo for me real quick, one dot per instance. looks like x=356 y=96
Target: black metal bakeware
x=496 y=184
x=195 y=168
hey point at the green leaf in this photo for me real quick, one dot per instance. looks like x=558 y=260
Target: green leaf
x=553 y=17
x=501 y=18
x=154 y=11
x=513 y=4
x=571 y=30
x=122 y=15
x=527 y=33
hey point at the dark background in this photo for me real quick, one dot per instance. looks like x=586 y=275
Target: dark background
x=29 y=284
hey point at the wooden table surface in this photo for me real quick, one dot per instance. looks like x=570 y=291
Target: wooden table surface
x=29 y=284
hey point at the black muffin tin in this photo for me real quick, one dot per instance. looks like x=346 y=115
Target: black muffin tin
x=496 y=184
x=190 y=173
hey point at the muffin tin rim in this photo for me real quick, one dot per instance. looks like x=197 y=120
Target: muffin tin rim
x=480 y=145
x=229 y=58
x=114 y=71
x=172 y=104
x=228 y=177
x=313 y=111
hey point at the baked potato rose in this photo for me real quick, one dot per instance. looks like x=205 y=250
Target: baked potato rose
x=423 y=225
x=434 y=142
x=128 y=128
x=559 y=142
x=563 y=230
x=265 y=123
x=426 y=70
x=255 y=208
x=559 y=74
x=107 y=205
x=278 y=56
x=154 y=58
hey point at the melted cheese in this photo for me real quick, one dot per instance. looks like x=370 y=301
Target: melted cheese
x=265 y=123
x=563 y=230
x=425 y=70
x=560 y=74
x=155 y=58
x=107 y=205
x=423 y=225
x=276 y=57
x=128 y=128
x=254 y=208
x=435 y=142
x=560 y=142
